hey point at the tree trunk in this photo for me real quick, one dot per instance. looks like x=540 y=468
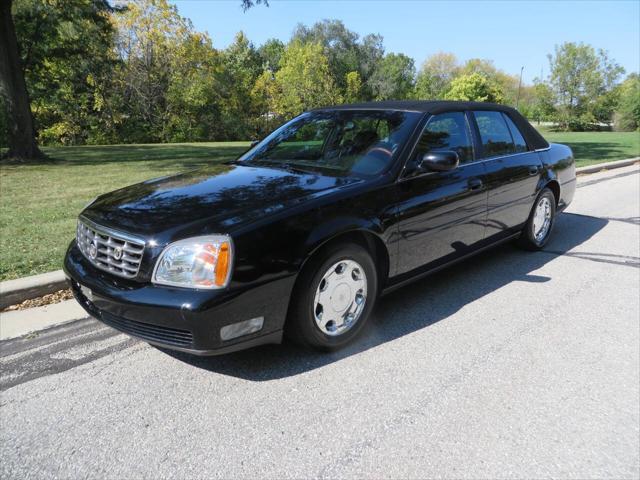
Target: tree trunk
x=13 y=88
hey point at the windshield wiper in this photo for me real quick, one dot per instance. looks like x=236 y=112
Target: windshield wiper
x=289 y=166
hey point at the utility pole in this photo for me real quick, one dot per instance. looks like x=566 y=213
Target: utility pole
x=519 y=85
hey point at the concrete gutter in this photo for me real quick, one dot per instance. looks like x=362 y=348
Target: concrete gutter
x=16 y=291
x=21 y=289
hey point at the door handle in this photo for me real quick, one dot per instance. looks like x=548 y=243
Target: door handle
x=475 y=184
x=533 y=170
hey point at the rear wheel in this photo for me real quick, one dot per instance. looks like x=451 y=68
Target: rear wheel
x=537 y=230
x=333 y=298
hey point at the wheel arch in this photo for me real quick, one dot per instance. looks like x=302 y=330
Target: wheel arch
x=554 y=186
x=366 y=238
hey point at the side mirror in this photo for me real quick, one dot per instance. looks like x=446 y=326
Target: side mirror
x=439 y=161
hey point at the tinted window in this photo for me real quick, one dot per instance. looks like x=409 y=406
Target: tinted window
x=447 y=131
x=518 y=139
x=338 y=142
x=494 y=134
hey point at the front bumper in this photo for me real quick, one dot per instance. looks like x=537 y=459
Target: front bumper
x=178 y=318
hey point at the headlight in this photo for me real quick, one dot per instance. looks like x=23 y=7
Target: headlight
x=199 y=262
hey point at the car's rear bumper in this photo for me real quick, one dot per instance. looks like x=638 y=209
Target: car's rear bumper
x=178 y=318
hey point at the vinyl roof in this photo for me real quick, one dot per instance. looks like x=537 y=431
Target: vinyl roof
x=431 y=106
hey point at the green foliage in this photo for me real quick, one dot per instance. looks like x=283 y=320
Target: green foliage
x=580 y=77
x=303 y=81
x=474 y=87
x=345 y=51
x=141 y=73
x=353 y=91
x=241 y=67
x=270 y=53
x=393 y=78
x=542 y=108
x=627 y=116
x=506 y=84
x=66 y=49
x=435 y=76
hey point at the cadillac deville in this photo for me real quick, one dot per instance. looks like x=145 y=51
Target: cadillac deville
x=302 y=233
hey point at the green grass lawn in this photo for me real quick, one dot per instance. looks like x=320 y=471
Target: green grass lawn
x=39 y=202
x=596 y=147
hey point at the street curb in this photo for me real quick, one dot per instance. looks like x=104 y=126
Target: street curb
x=17 y=291
x=21 y=289
x=607 y=166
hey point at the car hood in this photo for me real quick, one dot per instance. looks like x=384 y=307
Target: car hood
x=212 y=199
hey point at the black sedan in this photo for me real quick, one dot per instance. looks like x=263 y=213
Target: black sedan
x=302 y=233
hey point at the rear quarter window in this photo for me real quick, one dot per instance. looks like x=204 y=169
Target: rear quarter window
x=494 y=134
x=518 y=139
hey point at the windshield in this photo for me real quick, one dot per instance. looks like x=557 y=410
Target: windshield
x=339 y=142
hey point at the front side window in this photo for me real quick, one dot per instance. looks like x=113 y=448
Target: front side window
x=494 y=134
x=447 y=131
x=339 y=142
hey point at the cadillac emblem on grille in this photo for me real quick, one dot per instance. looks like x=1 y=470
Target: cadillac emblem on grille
x=115 y=252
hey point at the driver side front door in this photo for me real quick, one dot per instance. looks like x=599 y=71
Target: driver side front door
x=441 y=215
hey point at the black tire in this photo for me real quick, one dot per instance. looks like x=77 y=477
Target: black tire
x=528 y=238
x=301 y=325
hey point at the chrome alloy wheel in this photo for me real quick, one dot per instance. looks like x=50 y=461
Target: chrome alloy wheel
x=340 y=297
x=542 y=219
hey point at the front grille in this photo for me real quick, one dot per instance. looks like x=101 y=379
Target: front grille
x=151 y=333
x=111 y=251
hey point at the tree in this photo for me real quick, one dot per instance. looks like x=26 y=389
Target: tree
x=241 y=67
x=507 y=84
x=393 y=77
x=627 y=116
x=579 y=77
x=304 y=80
x=542 y=107
x=339 y=43
x=67 y=57
x=354 y=87
x=435 y=76
x=53 y=36
x=345 y=51
x=474 y=87
x=353 y=91
x=149 y=35
x=21 y=134
x=270 y=52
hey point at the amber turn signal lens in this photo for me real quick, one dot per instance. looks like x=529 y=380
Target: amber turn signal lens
x=222 y=266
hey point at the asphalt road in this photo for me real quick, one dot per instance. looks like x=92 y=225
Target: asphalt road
x=514 y=364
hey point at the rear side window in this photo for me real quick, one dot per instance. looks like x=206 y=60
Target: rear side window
x=494 y=134
x=518 y=139
x=447 y=131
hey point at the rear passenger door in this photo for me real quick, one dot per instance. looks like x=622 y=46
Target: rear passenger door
x=513 y=172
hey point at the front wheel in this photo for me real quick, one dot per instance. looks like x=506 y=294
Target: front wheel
x=537 y=230
x=333 y=297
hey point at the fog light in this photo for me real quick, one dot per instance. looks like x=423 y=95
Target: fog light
x=241 y=328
